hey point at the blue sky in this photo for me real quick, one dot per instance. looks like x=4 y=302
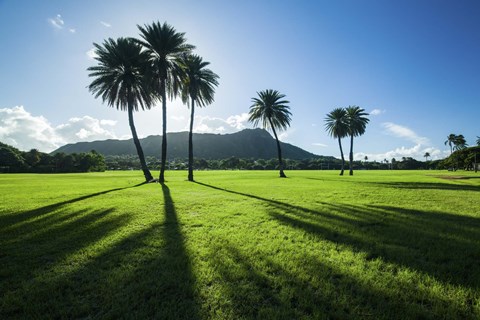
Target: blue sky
x=413 y=65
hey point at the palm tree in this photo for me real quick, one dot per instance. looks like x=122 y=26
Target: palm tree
x=273 y=113
x=478 y=141
x=451 y=141
x=120 y=79
x=198 y=85
x=337 y=127
x=165 y=47
x=426 y=155
x=357 y=123
x=460 y=143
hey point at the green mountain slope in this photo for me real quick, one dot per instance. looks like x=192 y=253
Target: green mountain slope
x=248 y=143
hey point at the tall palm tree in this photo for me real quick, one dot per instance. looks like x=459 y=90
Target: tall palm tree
x=337 y=127
x=165 y=46
x=120 y=78
x=198 y=86
x=357 y=123
x=273 y=113
x=451 y=141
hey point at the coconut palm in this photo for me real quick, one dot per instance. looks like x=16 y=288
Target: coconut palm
x=426 y=155
x=451 y=141
x=120 y=79
x=460 y=143
x=198 y=86
x=337 y=127
x=357 y=123
x=165 y=47
x=273 y=113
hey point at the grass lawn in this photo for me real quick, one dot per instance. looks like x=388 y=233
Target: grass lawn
x=241 y=245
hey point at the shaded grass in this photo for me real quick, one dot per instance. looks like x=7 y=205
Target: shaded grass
x=240 y=245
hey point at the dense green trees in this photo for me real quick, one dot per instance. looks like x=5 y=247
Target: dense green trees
x=120 y=78
x=197 y=86
x=273 y=113
x=14 y=160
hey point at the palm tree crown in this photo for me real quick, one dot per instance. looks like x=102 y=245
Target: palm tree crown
x=451 y=141
x=270 y=110
x=120 y=74
x=273 y=113
x=165 y=47
x=198 y=82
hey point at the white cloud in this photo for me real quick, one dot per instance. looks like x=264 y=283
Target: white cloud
x=105 y=24
x=207 y=124
x=178 y=118
x=376 y=112
x=91 y=54
x=57 y=22
x=72 y=30
x=25 y=131
x=404 y=132
x=283 y=136
x=416 y=152
x=317 y=144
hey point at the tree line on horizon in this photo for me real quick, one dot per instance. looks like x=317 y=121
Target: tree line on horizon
x=13 y=160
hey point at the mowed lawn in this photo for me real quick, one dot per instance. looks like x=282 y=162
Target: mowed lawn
x=241 y=245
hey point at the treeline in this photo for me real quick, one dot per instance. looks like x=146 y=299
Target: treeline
x=13 y=160
x=131 y=162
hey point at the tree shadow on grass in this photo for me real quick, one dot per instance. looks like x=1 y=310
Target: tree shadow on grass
x=12 y=220
x=443 y=245
x=142 y=271
x=429 y=185
x=258 y=287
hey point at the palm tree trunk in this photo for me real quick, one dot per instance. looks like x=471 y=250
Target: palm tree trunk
x=341 y=154
x=279 y=150
x=164 y=132
x=141 y=156
x=190 y=143
x=351 y=155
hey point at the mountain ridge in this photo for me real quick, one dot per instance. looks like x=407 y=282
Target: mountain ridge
x=248 y=143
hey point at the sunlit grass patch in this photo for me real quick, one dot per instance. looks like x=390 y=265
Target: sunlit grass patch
x=240 y=244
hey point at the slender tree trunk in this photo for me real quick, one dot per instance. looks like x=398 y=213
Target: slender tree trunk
x=351 y=155
x=341 y=154
x=164 y=131
x=279 y=150
x=190 y=143
x=141 y=156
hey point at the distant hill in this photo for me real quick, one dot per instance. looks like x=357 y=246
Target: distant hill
x=248 y=143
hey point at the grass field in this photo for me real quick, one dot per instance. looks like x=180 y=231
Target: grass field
x=241 y=245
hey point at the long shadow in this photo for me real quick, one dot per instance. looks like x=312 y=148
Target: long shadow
x=141 y=272
x=9 y=221
x=429 y=185
x=440 y=244
x=261 y=288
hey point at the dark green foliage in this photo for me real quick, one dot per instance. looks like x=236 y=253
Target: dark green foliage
x=248 y=143
x=465 y=158
x=13 y=160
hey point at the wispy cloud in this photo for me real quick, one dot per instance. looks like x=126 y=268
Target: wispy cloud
x=25 y=131
x=105 y=24
x=405 y=133
x=376 y=112
x=207 y=124
x=317 y=144
x=58 y=23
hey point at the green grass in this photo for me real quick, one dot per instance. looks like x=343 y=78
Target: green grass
x=241 y=245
